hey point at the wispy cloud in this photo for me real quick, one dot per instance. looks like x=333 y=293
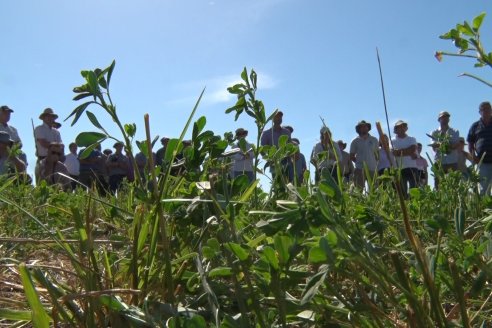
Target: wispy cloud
x=216 y=89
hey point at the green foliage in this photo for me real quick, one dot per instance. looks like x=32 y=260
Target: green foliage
x=201 y=250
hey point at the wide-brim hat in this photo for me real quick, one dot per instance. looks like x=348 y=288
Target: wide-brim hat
x=5 y=138
x=48 y=112
x=361 y=123
x=6 y=108
x=341 y=143
x=241 y=131
x=443 y=113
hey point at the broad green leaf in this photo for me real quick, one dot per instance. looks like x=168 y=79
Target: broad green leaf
x=270 y=256
x=244 y=75
x=87 y=151
x=93 y=83
x=85 y=139
x=316 y=255
x=477 y=21
x=40 y=318
x=237 y=250
x=282 y=247
x=113 y=303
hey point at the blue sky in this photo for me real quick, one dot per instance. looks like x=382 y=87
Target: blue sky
x=314 y=58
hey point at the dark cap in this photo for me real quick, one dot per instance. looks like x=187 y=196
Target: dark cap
x=6 y=108
x=443 y=113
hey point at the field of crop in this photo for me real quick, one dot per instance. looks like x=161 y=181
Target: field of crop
x=198 y=249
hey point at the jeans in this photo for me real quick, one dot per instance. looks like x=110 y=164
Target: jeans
x=485 y=173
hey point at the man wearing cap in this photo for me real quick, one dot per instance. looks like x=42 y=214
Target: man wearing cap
x=405 y=154
x=10 y=163
x=480 y=145
x=346 y=165
x=5 y=112
x=45 y=134
x=364 y=153
x=325 y=155
x=117 y=166
x=444 y=143
x=243 y=159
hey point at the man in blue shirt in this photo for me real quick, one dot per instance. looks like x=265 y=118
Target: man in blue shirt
x=480 y=145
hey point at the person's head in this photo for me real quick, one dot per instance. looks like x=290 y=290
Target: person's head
x=241 y=133
x=419 y=147
x=73 y=148
x=48 y=116
x=288 y=127
x=164 y=141
x=485 y=110
x=325 y=134
x=5 y=143
x=400 y=128
x=461 y=143
x=342 y=145
x=118 y=147
x=277 y=119
x=363 y=128
x=107 y=151
x=55 y=152
x=5 y=112
x=443 y=118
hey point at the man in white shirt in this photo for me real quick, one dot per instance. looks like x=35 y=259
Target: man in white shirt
x=364 y=151
x=45 y=134
x=405 y=153
x=72 y=163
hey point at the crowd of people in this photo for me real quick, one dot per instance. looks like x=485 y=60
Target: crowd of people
x=368 y=155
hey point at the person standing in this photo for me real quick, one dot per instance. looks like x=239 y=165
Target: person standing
x=463 y=156
x=117 y=166
x=364 y=153
x=325 y=155
x=5 y=113
x=270 y=137
x=480 y=145
x=297 y=165
x=444 y=143
x=405 y=153
x=243 y=160
x=346 y=165
x=45 y=134
x=73 y=165
x=9 y=162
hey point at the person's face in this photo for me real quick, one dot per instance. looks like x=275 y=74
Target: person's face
x=55 y=153
x=401 y=129
x=419 y=148
x=277 y=119
x=73 y=149
x=485 y=112
x=444 y=120
x=49 y=119
x=4 y=116
x=364 y=129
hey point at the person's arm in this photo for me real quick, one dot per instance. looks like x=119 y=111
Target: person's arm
x=409 y=151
